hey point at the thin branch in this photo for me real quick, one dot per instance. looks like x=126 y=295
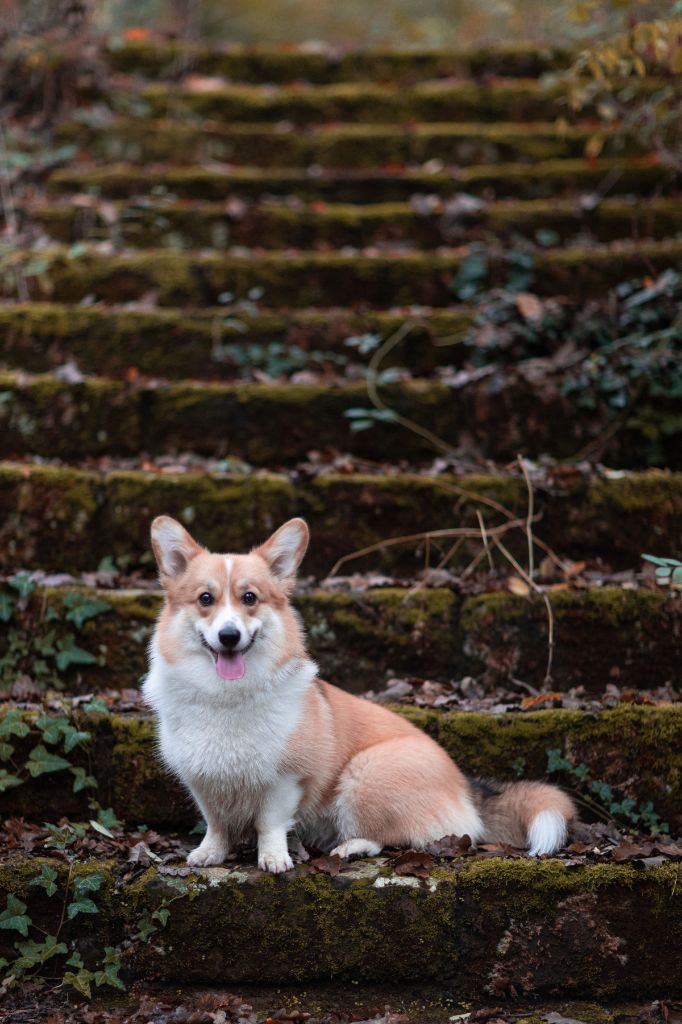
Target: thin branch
x=378 y=402
x=529 y=518
x=484 y=537
x=416 y=537
x=550 y=614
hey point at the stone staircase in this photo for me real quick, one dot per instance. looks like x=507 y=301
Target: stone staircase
x=206 y=286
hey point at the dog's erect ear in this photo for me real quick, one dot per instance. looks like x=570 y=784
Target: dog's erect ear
x=284 y=551
x=173 y=547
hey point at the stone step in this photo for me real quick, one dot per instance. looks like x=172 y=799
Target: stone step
x=119 y=752
x=540 y=179
x=278 y=424
x=120 y=138
x=65 y=519
x=438 y=100
x=171 y=223
x=224 y=341
x=362 y=638
x=303 y=279
x=485 y=929
x=323 y=63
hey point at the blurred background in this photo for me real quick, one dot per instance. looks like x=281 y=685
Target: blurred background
x=408 y=23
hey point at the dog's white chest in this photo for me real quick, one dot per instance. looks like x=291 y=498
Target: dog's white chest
x=227 y=746
x=226 y=749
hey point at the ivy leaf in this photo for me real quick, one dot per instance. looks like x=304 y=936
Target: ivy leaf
x=70 y=653
x=23 y=583
x=46 y=880
x=72 y=737
x=80 y=981
x=98 y=705
x=6 y=607
x=146 y=928
x=162 y=915
x=88 y=883
x=82 y=780
x=12 y=724
x=33 y=953
x=107 y=818
x=109 y=974
x=81 y=906
x=82 y=608
x=8 y=781
x=6 y=751
x=41 y=761
x=51 y=728
x=75 y=960
x=13 y=917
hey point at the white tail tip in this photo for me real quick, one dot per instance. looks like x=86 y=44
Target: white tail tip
x=547 y=833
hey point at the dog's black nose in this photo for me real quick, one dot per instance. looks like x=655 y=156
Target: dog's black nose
x=229 y=637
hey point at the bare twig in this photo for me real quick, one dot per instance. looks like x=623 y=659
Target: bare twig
x=550 y=614
x=378 y=402
x=484 y=537
x=412 y=538
x=529 y=518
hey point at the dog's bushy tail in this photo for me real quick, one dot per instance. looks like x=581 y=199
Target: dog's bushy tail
x=523 y=814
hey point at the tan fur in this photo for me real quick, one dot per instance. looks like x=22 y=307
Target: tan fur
x=356 y=772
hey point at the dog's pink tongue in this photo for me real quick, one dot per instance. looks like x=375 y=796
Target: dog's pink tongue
x=230 y=666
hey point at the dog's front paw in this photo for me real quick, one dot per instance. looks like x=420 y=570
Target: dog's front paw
x=275 y=861
x=207 y=854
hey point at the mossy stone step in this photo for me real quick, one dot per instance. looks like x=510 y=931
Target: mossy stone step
x=278 y=424
x=439 y=100
x=68 y=520
x=483 y=930
x=321 y=64
x=636 y=749
x=317 y=279
x=540 y=179
x=361 y=638
x=337 y=145
x=224 y=340
x=275 y=225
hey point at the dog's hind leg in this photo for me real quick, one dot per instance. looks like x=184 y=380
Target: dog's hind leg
x=357 y=848
x=404 y=791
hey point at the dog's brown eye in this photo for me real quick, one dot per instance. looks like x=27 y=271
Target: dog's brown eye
x=206 y=599
x=249 y=597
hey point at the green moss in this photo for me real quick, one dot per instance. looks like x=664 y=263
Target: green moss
x=619 y=608
x=38 y=336
x=206 y=224
x=271 y=64
x=370 y=102
x=198 y=279
x=657 y=489
x=534 y=179
x=478 y=610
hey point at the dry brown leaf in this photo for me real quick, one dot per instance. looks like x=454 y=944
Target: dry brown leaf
x=529 y=306
x=540 y=698
x=518 y=586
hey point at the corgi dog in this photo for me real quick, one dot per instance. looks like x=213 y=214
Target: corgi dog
x=265 y=746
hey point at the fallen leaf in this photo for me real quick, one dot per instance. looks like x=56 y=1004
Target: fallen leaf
x=518 y=586
x=326 y=865
x=537 y=699
x=417 y=863
x=529 y=306
x=449 y=846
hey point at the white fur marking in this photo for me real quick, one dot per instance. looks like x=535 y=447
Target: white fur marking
x=276 y=817
x=357 y=848
x=211 y=850
x=547 y=833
